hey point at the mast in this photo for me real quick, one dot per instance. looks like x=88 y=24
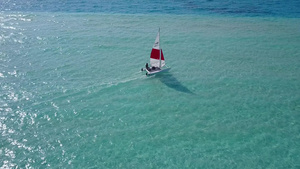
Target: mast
x=159 y=48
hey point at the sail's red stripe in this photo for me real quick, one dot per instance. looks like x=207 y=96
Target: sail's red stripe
x=155 y=54
x=162 y=55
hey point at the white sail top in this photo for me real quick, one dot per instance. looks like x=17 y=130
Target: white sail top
x=156 y=43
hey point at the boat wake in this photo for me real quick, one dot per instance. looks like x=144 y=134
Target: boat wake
x=117 y=81
x=134 y=76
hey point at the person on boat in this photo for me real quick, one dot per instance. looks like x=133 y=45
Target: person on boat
x=147 y=67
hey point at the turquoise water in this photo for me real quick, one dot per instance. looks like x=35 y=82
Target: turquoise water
x=72 y=94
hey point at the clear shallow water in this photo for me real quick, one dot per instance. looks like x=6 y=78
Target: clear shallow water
x=71 y=94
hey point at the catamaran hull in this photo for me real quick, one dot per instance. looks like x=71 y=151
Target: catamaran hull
x=156 y=71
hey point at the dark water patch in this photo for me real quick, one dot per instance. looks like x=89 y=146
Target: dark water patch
x=169 y=80
x=235 y=8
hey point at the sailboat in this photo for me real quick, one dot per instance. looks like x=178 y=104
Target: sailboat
x=157 y=60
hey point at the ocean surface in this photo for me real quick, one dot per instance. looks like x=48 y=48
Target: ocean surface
x=72 y=94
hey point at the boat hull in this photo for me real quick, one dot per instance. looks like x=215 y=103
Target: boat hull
x=153 y=72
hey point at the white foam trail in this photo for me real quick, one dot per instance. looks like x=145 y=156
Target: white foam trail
x=105 y=85
x=134 y=76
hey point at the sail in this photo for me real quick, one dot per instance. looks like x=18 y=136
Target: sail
x=157 y=57
x=154 y=58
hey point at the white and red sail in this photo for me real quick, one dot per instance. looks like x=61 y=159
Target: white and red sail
x=157 y=57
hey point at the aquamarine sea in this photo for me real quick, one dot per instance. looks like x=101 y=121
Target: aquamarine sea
x=72 y=94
